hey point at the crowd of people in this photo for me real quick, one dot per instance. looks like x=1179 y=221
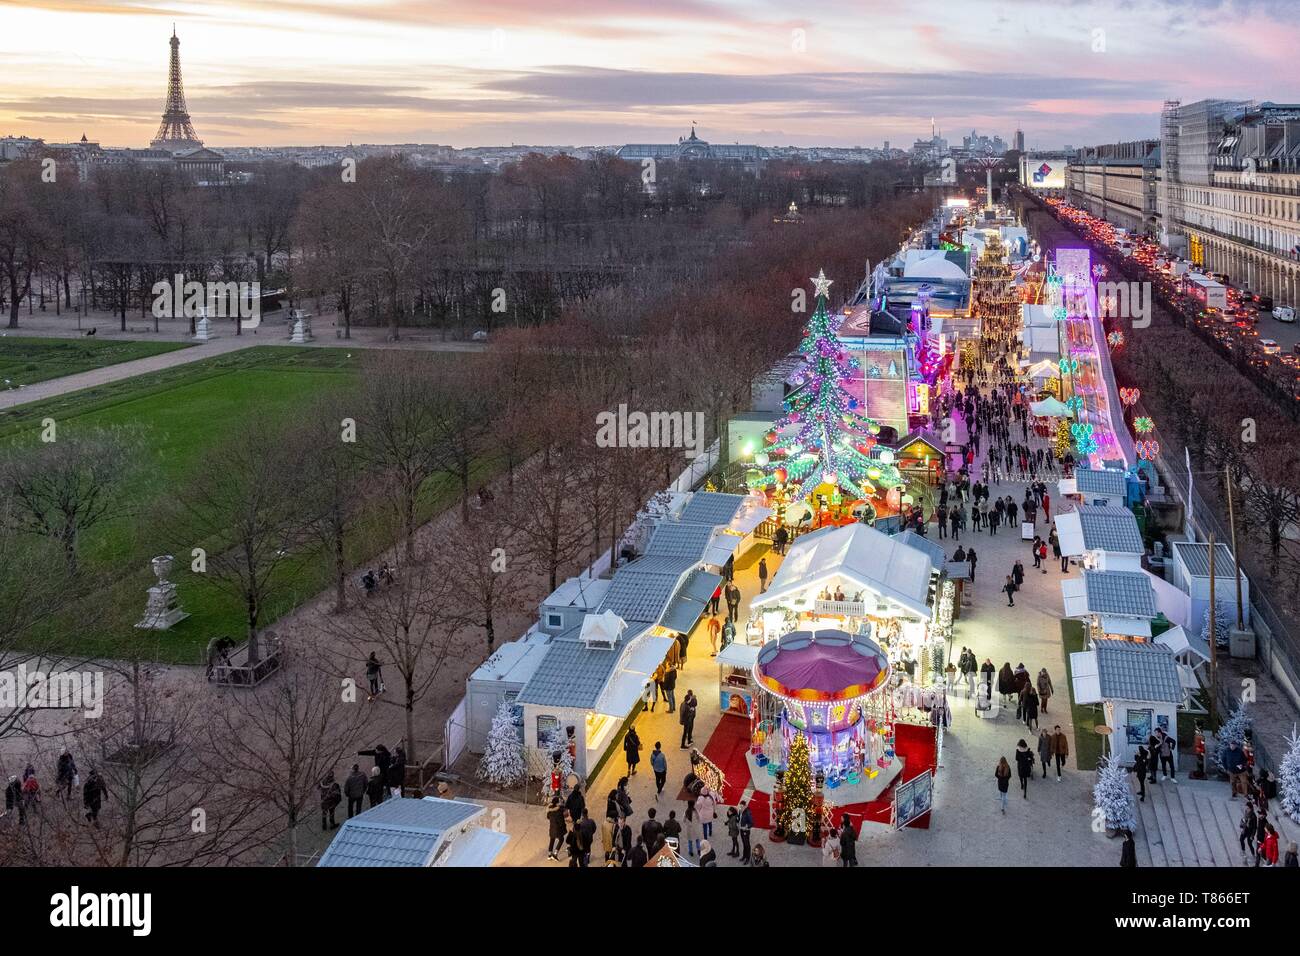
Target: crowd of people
x=23 y=796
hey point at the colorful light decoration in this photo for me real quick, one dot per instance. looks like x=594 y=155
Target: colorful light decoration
x=1148 y=449
x=1060 y=314
x=1074 y=403
x=1130 y=396
x=1142 y=424
x=830 y=432
x=1083 y=438
x=1116 y=339
x=1069 y=366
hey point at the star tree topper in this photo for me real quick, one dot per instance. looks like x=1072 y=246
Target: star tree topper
x=821 y=284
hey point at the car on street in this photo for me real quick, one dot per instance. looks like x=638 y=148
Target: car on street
x=1269 y=347
x=1284 y=313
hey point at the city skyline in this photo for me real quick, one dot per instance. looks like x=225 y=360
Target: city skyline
x=318 y=71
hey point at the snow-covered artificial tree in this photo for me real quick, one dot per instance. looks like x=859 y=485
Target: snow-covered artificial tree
x=1225 y=619
x=555 y=747
x=1288 y=778
x=1233 y=730
x=1113 y=798
x=503 y=763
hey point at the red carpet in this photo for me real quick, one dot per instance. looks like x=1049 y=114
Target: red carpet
x=915 y=743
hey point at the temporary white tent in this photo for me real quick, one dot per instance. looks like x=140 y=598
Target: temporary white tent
x=892 y=570
x=1051 y=407
x=1042 y=370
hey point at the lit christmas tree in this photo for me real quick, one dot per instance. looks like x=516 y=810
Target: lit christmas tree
x=1061 y=442
x=798 y=797
x=832 y=442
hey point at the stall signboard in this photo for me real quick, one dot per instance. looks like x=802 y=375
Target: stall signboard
x=912 y=800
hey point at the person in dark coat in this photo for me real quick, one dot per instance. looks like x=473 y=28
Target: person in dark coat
x=652 y=832
x=848 y=842
x=1031 y=713
x=632 y=749
x=1024 y=766
x=687 y=718
x=1128 y=852
x=14 y=798
x=331 y=795
x=1002 y=774
x=397 y=771
x=65 y=774
x=1140 y=771
x=93 y=794
x=575 y=803
x=707 y=855
x=556 y=829
x=375 y=788
x=1007 y=681
x=383 y=759
x=354 y=788
x=637 y=856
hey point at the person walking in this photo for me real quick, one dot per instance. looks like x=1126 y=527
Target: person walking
x=584 y=833
x=848 y=842
x=669 y=685
x=14 y=798
x=1044 y=750
x=691 y=827
x=1168 y=746
x=1003 y=776
x=715 y=630
x=1060 y=750
x=728 y=632
x=733 y=831
x=374 y=676
x=331 y=795
x=1018 y=574
x=973 y=559
x=707 y=855
x=93 y=794
x=632 y=750
x=659 y=764
x=1248 y=827
x=687 y=719
x=762 y=575
x=1010 y=588
x=65 y=774
x=652 y=832
x=1140 y=772
x=354 y=788
x=1031 y=712
x=1233 y=760
x=1045 y=688
x=1024 y=766
x=986 y=675
x=733 y=601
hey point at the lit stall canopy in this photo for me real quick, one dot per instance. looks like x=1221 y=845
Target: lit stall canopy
x=688 y=606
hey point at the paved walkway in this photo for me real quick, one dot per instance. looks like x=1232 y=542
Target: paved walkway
x=115 y=373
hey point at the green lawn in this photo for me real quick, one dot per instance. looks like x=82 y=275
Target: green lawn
x=25 y=361
x=186 y=411
x=1087 y=742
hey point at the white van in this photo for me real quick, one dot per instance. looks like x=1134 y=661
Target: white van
x=1284 y=313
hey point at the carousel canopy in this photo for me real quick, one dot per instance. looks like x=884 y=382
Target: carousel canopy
x=821 y=666
x=862 y=558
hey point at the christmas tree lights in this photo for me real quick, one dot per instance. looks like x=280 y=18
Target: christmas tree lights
x=833 y=442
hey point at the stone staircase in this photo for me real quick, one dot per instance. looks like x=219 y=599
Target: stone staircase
x=1193 y=823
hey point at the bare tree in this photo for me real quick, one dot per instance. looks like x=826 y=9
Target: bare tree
x=64 y=487
x=333 y=480
x=483 y=559
x=551 y=528
x=397 y=424
x=279 y=741
x=247 y=510
x=411 y=626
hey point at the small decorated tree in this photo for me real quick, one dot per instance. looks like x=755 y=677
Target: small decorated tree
x=798 y=804
x=1233 y=730
x=503 y=763
x=559 y=762
x=1115 y=806
x=1225 y=619
x=1061 y=442
x=1288 y=778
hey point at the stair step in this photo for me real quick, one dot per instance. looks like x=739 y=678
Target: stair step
x=1151 y=830
x=1200 y=839
x=1208 y=830
x=1168 y=834
x=1229 y=826
x=1194 y=853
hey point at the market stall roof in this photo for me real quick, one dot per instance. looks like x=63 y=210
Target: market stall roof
x=571 y=675
x=1051 y=408
x=1041 y=341
x=1110 y=482
x=1195 y=556
x=642 y=590
x=938 y=557
x=1043 y=369
x=1083 y=677
x=1125 y=626
x=1129 y=670
x=736 y=654
x=399 y=833
x=827 y=665
x=883 y=565
x=1097 y=528
x=1180 y=641
x=687 y=607
x=680 y=539
x=1111 y=593
x=638 y=661
x=712 y=508
x=477 y=846
x=749 y=516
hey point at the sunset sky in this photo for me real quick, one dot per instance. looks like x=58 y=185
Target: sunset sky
x=589 y=72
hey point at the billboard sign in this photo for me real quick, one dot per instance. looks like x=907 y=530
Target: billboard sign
x=912 y=800
x=1039 y=173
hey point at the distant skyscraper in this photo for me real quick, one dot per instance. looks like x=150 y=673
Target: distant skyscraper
x=1019 y=141
x=176 y=134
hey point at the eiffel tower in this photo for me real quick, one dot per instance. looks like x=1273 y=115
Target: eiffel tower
x=176 y=134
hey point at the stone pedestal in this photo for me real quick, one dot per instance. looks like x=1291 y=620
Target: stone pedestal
x=163 y=609
x=203 y=330
x=301 y=333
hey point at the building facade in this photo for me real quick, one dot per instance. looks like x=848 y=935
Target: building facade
x=1118 y=182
